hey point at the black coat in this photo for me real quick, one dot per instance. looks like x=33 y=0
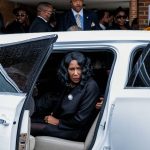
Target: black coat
x=75 y=112
x=117 y=27
x=16 y=27
x=39 y=25
x=90 y=21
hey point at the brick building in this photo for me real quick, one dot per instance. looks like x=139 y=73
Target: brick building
x=143 y=13
x=6 y=9
x=139 y=9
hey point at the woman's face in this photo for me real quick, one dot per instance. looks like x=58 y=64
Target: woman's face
x=75 y=72
x=121 y=18
x=21 y=16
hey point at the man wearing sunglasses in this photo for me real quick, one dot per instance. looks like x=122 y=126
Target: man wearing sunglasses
x=21 y=22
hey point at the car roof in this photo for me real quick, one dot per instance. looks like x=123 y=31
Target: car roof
x=80 y=36
x=108 y=35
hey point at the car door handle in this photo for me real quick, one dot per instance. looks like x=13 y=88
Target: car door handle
x=4 y=122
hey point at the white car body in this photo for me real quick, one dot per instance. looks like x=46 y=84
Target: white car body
x=125 y=121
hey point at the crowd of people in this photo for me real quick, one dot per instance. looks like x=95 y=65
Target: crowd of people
x=76 y=18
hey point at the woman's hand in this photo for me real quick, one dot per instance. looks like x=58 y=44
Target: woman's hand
x=51 y=120
x=99 y=103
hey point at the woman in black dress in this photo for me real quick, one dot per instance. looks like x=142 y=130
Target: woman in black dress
x=73 y=116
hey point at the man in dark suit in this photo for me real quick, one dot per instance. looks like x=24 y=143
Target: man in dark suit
x=88 y=19
x=44 y=12
x=103 y=19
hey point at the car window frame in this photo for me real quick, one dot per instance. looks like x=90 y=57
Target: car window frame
x=131 y=67
x=132 y=56
x=93 y=47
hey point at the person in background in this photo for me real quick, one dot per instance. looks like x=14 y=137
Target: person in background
x=53 y=22
x=1 y=24
x=21 y=23
x=147 y=28
x=84 y=19
x=120 y=20
x=74 y=28
x=111 y=19
x=41 y=22
x=134 y=24
x=103 y=19
x=74 y=112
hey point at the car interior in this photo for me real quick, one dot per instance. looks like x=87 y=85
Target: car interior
x=48 y=83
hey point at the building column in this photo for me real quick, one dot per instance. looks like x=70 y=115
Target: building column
x=6 y=9
x=133 y=10
x=143 y=13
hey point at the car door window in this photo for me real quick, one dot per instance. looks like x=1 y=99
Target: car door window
x=101 y=63
x=140 y=76
x=21 y=60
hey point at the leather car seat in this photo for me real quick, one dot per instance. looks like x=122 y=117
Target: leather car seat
x=32 y=142
x=53 y=143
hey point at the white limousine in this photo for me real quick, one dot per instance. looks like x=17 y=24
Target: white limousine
x=120 y=61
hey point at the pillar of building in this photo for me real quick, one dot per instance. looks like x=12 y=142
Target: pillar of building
x=143 y=13
x=6 y=9
x=133 y=10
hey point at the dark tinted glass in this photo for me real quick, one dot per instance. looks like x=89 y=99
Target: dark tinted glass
x=22 y=61
x=140 y=76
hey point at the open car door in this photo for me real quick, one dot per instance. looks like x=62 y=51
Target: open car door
x=20 y=66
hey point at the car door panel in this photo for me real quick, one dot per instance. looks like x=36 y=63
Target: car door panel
x=129 y=126
x=125 y=122
x=130 y=119
x=10 y=109
x=21 y=64
x=25 y=131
